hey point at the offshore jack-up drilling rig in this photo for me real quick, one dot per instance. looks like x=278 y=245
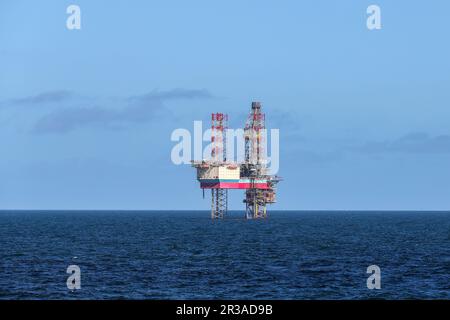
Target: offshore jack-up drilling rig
x=252 y=174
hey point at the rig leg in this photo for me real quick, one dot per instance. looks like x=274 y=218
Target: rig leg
x=255 y=204
x=219 y=203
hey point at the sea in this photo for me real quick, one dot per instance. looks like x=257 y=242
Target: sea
x=186 y=255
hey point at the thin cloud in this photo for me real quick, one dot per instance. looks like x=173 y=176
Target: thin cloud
x=417 y=142
x=173 y=94
x=139 y=109
x=69 y=119
x=45 y=97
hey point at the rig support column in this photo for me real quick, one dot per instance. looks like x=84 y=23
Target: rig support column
x=255 y=204
x=219 y=203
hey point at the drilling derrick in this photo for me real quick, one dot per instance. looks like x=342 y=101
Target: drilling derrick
x=220 y=174
x=254 y=167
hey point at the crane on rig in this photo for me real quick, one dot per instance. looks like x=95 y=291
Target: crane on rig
x=252 y=174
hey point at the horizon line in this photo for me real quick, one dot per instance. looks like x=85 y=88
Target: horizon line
x=208 y=211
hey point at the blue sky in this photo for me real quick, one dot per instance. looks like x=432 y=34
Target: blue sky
x=86 y=115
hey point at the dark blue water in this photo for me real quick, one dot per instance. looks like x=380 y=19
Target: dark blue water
x=184 y=255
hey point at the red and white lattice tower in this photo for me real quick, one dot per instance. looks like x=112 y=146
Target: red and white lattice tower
x=219 y=196
x=219 y=125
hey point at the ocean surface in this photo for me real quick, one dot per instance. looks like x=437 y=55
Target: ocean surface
x=186 y=255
